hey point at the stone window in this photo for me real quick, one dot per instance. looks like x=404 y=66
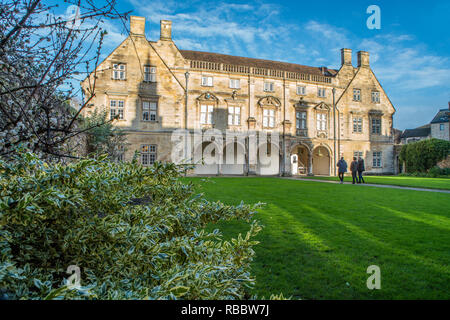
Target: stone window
x=149 y=110
x=116 y=108
x=269 y=86
x=358 y=154
x=300 y=120
x=268 y=118
x=357 y=125
x=377 y=159
x=301 y=90
x=235 y=84
x=206 y=114
x=321 y=92
x=321 y=121
x=149 y=74
x=375 y=97
x=148 y=154
x=119 y=71
x=207 y=81
x=376 y=125
x=441 y=127
x=356 y=95
x=234 y=116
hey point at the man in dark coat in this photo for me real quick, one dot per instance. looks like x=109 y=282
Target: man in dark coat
x=361 y=169
x=354 y=170
x=342 y=165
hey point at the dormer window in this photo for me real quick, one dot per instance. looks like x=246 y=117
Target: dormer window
x=119 y=71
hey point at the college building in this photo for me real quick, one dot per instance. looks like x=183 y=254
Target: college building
x=153 y=88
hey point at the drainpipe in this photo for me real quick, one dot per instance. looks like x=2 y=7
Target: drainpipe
x=334 y=129
x=186 y=117
x=284 y=126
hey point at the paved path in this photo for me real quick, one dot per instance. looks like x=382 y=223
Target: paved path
x=373 y=185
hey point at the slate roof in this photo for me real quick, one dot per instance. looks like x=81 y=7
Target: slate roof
x=257 y=63
x=423 y=131
x=441 y=116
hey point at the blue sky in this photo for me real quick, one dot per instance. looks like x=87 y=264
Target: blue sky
x=410 y=54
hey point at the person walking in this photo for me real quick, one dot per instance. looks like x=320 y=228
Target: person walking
x=361 y=169
x=354 y=170
x=342 y=165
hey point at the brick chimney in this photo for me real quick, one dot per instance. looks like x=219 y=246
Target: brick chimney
x=137 y=26
x=166 y=30
x=363 y=59
x=346 y=56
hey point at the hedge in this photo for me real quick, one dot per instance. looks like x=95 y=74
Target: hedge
x=135 y=233
x=423 y=155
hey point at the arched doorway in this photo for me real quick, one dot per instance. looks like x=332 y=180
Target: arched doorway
x=233 y=159
x=321 y=161
x=206 y=157
x=300 y=153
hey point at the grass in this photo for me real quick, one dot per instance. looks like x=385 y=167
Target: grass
x=320 y=238
x=417 y=182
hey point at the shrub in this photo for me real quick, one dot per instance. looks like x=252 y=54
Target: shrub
x=423 y=155
x=136 y=233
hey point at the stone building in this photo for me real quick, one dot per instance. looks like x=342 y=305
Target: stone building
x=319 y=114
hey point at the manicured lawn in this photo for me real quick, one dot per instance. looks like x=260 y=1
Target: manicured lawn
x=320 y=238
x=431 y=183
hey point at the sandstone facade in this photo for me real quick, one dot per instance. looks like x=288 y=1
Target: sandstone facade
x=145 y=83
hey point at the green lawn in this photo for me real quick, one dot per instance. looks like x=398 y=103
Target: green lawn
x=431 y=183
x=320 y=238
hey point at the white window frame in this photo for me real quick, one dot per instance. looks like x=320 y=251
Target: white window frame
x=357 y=125
x=234 y=116
x=206 y=114
x=148 y=154
x=149 y=74
x=377 y=159
x=357 y=154
x=119 y=71
x=301 y=90
x=117 y=106
x=207 y=81
x=269 y=86
x=235 y=83
x=321 y=121
x=376 y=96
x=357 y=95
x=149 y=111
x=268 y=118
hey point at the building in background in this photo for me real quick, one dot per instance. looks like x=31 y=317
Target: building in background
x=320 y=114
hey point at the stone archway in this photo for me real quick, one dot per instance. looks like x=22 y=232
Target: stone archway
x=301 y=154
x=321 y=161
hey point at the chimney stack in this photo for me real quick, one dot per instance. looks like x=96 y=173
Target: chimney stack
x=166 y=30
x=346 y=56
x=363 y=59
x=137 y=26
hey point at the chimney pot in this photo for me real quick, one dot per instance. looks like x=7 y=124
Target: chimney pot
x=166 y=30
x=137 y=26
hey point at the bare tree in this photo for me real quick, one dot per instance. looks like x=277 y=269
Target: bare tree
x=42 y=56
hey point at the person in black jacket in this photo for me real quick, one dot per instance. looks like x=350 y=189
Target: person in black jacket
x=342 y=165
x=361 y=169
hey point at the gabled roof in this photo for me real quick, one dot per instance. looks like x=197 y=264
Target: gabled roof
x=441 y=116
x=423 y=131
x=256 y=63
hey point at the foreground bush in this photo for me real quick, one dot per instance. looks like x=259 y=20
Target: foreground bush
x=135 y=233
x=423 y=155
